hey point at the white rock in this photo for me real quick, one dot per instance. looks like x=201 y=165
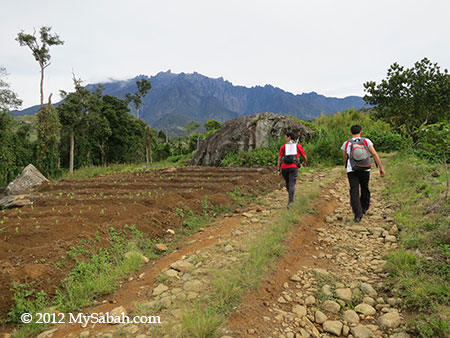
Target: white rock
x=390 y=320
x=365 y=309
x=299 y=310
x=160 y=289
x=333 y=326
x=181 y=265
x=360 y=331
x=331 y=306
x=368 y=289
x=345 y=294
x=351 y=316
x=320 y=317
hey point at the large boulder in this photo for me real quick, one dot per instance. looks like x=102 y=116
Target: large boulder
x=27 y=182
x=18 y=192
x=247 y=133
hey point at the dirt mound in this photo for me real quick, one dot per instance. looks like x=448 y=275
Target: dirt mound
x=34 y=237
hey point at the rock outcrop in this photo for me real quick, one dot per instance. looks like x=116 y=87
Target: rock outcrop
x=247 y=133
x=17 y=193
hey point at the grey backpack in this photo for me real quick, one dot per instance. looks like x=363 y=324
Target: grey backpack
x=359 y=154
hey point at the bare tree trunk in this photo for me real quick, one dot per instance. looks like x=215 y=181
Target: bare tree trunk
x=167 y=135
x=42 y=86
x=137 y=113
x=72 y=146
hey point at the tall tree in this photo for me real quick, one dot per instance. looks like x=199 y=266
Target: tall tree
x=72 y=110
x=8 y=98
x=40 y=49
x=143 y=87
x=411 y=97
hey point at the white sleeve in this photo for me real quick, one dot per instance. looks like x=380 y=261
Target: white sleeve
x=369 y=142
x=343 y=146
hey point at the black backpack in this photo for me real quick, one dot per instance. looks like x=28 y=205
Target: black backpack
x=290 y=159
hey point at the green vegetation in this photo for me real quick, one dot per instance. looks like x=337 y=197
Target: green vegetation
x=95 y=272
x=204 y=318
x=420 y=270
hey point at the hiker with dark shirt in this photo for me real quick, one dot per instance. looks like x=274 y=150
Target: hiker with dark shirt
x=288 y=164
x=356 y=153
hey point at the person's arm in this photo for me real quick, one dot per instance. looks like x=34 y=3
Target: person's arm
x=345 y=157
x=377 y=160
x=302 y=154
x=279 y=165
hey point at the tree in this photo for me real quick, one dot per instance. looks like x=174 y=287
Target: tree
x=212 y=125
x=191 y=127
x=143 y=87
x=411 y=97
x=72 y=112
x=49 y=133
x=40 y=50
x=435 y=139
x=8 y=99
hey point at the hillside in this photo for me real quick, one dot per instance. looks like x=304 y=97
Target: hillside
x=176 y=99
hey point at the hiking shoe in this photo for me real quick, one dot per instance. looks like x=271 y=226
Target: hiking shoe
x=289 y=205
x=357 y=219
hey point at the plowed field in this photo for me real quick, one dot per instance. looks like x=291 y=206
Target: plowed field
x=32 y=239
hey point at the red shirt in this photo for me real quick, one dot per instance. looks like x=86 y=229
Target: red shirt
x=299 y=151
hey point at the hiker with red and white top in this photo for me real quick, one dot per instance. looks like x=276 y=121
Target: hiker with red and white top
x=289 y=162
x=356 y=153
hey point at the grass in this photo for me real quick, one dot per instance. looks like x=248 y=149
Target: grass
x=95 y=273
x=420 y=270
x=205 y=317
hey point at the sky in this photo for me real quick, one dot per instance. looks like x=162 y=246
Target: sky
x=328 y=46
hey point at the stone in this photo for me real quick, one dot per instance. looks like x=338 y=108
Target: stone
x=28 y=181
x=331 y=306
x=345 y=330
x=246 y=133
x=119 y=311
x=320 y=317
x=333 y=327
x=345 y=294
x=321 y=271
x=161 y=247
x=15 y=201
x=369 y=300
x=310 y=300
x=47 y=334
x=299 y=310
x=368 y=289
x=131 y=329
x=171 y=273
x=160 y=289
x=84 y=334
x=393 y=230
x=390 y=239
x=181 y=265
x=365 y=309
x=360 y=331
x=296 y=278
x=351 y=316
x=400 y=335
x=228 y=248
x=170 y=232
x=326 y=289
x=281 y=300
x=193 y=285
x=390 y=320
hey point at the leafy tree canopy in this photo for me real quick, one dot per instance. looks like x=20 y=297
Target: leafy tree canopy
x=212 y=125
x=411 y=97
x=8 y=99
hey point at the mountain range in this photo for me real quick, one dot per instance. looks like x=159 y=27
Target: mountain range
x=176 y=99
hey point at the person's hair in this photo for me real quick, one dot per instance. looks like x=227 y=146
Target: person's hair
x=356 y=129
x=291 y=135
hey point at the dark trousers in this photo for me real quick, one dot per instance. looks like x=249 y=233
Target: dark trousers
x=359 y=203
x=290 y=176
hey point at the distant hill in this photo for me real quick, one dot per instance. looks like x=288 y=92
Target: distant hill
x=176 y=99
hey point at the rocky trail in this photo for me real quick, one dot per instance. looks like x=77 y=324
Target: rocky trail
x=329 y=282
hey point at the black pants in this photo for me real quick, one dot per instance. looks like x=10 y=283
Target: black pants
x=359 y=203
x=290 y=176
